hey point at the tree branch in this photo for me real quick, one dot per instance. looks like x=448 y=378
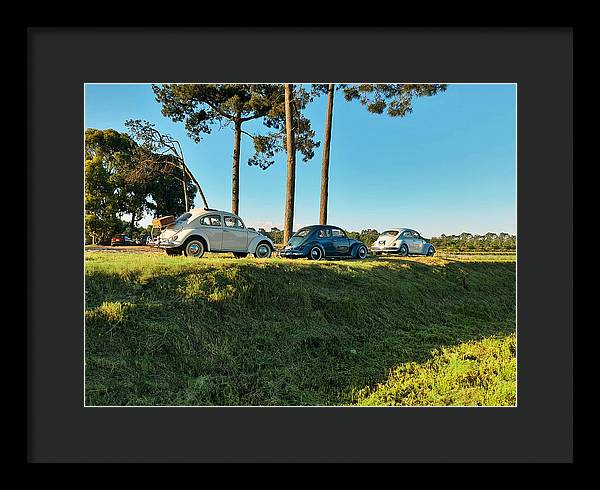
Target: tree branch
x=217 y=110
x=248 y=134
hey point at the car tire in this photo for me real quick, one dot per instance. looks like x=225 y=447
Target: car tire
x=315 y=253
x=431 y=251
x=403 y=250
x=240 y=255
x=263 y=251
x=361 y=252
x=194 y=248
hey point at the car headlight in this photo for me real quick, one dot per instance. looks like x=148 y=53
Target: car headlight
x=175 y=238
x=395 y=244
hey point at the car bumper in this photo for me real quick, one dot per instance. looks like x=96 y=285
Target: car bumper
x=292 y=253
x=164 y=243
x=386 y=249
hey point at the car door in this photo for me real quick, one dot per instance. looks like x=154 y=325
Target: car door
x=212 y=228
x=413 y=242
x=235 y=234
x=341 y=244
x=323 y=236
x=418 y=242
x=407 y=238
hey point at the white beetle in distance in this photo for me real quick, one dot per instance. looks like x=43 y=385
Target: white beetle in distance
x=209 y=230
x=402 y=241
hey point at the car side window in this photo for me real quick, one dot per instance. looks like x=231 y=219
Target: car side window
x=337 y=233
x=231 y=222
x=212 y=220
x=416 y=235
x=324 y=233
x=407 y=234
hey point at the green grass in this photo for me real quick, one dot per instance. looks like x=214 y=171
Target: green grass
x=221 y=331
x=473 y=373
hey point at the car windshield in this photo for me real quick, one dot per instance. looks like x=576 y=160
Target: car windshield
x=390 y=233
x=299 y=237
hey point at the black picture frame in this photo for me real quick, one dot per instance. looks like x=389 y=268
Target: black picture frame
x=61 y=429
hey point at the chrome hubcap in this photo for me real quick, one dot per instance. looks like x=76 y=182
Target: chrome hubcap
x=315 y=253
x=194 y=249
x=263 y=251
x=362 y=253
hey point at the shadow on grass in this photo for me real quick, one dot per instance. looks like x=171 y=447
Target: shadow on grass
x=250 y=332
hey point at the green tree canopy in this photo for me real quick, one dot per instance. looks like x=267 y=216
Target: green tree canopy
x=203 y=107
x=119 y=182
x=393 y=98
x=267 y=146
x=159 y=162
x=105 y=193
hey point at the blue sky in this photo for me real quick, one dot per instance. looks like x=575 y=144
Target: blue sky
x=448 y=167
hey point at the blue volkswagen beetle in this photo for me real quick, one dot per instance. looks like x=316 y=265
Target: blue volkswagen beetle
x=319 y=241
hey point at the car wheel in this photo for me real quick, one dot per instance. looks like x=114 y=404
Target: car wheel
x=263 y=251
x=431 y=252
x=194 y=248
x=404 y=250
x=315 y=254
x=240 y=255
x=362 y=252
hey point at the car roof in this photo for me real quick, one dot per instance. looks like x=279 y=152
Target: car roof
x=204 y=211
x=316 y=227
x=399 y=230
x=320 y=226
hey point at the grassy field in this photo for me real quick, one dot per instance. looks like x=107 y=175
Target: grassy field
x=222 y=331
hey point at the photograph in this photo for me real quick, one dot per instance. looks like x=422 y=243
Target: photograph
x=326 y=244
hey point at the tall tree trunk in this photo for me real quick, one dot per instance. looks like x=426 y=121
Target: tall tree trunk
x=132 y=223
x=185 y=194
x=235 y=174
x=325 y=165
x=288 y=224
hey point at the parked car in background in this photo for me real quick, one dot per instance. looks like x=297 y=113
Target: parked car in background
x=209 y=230
x=402 y=241
x=121 y=240
x=317 y=242
x=142 y=240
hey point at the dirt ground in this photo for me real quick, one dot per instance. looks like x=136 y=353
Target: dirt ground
x=135 y=249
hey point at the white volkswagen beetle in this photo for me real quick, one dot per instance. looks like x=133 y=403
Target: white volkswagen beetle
x=209 y=230
x=402 y=241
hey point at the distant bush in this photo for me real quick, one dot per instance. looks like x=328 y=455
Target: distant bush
x=276 y=235
x=466 y=242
